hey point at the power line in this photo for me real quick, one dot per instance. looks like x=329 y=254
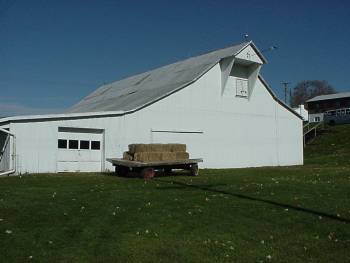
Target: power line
x=271 y=48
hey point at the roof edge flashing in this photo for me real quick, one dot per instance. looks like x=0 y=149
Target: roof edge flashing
x=269 y=89
x=74 y=115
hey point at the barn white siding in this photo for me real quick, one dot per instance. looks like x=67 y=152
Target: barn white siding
x=37 y=150
x=223 y=129
x=236 y=132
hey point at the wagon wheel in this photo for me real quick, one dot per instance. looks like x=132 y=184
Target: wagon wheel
x=122 y=170
x=147 y=173
x=194 y=169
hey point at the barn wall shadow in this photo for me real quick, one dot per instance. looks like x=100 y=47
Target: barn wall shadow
x=180 y=185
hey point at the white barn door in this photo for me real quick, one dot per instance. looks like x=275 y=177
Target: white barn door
x=79 y=150
x=5 y=155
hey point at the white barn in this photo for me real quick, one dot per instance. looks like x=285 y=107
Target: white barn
x=216 y=103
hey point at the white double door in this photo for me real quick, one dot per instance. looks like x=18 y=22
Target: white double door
x=79 y=151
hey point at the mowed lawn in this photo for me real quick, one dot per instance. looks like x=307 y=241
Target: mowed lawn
x=287 y=214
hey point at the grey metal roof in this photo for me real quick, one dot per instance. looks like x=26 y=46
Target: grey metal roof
x=125 y=96
x=140 y=90
x=330 y=96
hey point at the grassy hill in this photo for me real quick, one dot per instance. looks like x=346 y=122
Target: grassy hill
x=282 y=214
x=332 y=147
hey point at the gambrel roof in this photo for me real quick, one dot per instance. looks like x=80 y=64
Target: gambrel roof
x=133 y=93
x=140 y=90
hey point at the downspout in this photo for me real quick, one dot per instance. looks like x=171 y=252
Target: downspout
x=13 y=170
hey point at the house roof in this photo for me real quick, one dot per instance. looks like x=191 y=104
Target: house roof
x=143 y=89
x=330 y=96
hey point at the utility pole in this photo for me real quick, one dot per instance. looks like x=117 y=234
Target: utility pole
x=285 y=85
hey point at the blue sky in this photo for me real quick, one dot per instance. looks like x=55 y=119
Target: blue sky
x=53 y=53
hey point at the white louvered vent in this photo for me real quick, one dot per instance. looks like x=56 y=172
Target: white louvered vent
x=241 y=87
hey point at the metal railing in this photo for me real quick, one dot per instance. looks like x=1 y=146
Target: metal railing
x=311 y=128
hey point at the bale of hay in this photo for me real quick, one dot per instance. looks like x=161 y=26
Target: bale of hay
x=160 y=156
x=177 y=147
x=169 y=147
x=148 y=156
x=157 y=147
x=133 y=148
x=128 y=156
x=182 y=155
x=168 y=156
x=138 y=148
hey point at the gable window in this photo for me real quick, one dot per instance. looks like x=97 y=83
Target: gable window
x=241 y=87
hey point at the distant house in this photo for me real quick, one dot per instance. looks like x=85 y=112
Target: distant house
x=302 y=112
x=217 y=103
x=337 y=105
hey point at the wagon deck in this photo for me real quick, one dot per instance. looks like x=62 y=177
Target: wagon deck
x=147 y=169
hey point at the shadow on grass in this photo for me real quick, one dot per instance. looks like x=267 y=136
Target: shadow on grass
x=209 y=188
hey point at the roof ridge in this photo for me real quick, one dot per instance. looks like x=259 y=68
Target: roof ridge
x=178 y=61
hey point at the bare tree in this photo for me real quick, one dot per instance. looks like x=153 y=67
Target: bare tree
x=308 y=89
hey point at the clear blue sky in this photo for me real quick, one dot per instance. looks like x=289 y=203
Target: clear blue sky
x=53 y=53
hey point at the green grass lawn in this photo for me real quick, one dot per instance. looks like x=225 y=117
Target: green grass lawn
x=286 y=214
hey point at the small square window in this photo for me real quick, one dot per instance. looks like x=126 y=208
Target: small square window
x=241 y=87
x=62 y=144
x=95 y=145
x=84 y=145
x=73 y=144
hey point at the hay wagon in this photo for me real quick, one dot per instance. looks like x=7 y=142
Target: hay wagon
x=147 y=169
x=145 y=159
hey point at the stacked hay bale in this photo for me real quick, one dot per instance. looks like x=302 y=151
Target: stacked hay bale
x=156 y=152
